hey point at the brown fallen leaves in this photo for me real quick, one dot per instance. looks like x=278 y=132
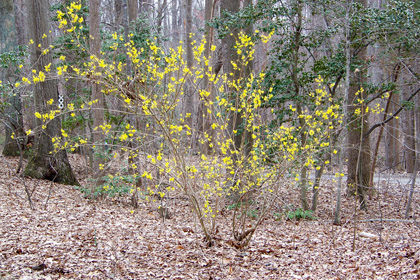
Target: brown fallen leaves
x=74 y=238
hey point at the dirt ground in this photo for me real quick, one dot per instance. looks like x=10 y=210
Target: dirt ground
x=70 y=237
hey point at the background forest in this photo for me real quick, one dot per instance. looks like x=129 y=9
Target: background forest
x=248 y=125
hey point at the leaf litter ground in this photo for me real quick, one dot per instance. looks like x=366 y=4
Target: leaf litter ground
x=70 y=237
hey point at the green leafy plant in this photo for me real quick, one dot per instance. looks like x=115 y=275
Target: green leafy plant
x=112 y=186
x=300 y=214
x=277 y=216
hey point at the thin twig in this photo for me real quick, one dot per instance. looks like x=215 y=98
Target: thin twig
x=387 y=220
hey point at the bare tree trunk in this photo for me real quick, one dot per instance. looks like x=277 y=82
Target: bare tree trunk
x=359 y=162
x=358 y=165
x=19 y=13
x=45 y=164
x=203 y=118
x=188 y=91
x=10 y=35
x=417 y=160
x=119 y=13
x=174 y=11
x=295 y=69
x=161 y=15
x=230 y=54
x=98 y=107
x=392 y=141
x=130 y=25
x=341 y=149
x=247 y=137
x=145 y=7
x=132 y=6
x=409 y=141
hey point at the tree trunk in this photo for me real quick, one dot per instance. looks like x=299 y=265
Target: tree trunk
x=359 y=163
x=19 y=13
x=119 y=13
x=341 y=149
x=98 y=107
x=409 y=141
x=9 y=23
x=392 y=143
x=45 y=163
x=416 y=161
x=188 y=90
x=145 y=7
x=203 y=118
x=161 y=15
x=247 y=137
x=174 y=11
x=296 y=86
x=229 y=55
x=132 y=11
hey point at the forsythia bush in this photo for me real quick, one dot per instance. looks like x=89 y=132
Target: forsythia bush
x=168 y=155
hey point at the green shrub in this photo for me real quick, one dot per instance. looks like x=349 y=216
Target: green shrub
x=299 y=214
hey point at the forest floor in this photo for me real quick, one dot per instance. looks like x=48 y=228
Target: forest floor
x=70 y=237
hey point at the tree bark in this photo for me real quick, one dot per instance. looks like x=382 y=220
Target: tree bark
x=188 y=91
x=9 y=23
x=161 y=16
x=174 y=11
x=341 y=149
x=390 y=141
x=98 y=107
x=409 y=140
x=132 y=11
x=203 y=118
x=416 y=161
x=359 y=162
x=145 y=6
x=119 y=13
x=229 y=55
x=392 y=144
x=247 y=137
x=45 y=164
x=295 y=71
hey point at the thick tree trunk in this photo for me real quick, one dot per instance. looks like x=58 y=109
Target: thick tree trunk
x=132 y=11
x=20 y=17
x=45 y=163
x=119 y=14
x=9 y=23
x=229 y=55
